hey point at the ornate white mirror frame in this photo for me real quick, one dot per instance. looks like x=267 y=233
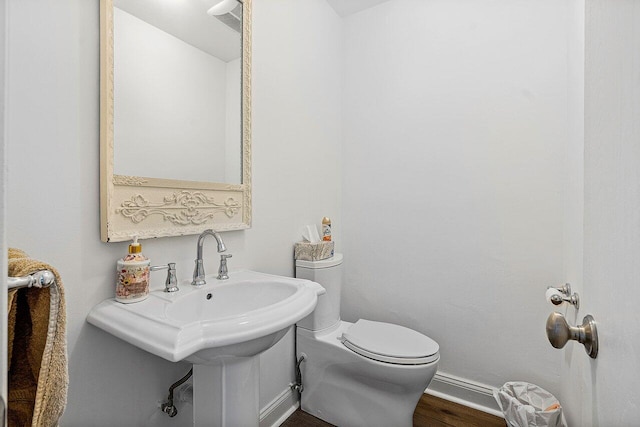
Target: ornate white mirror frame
x=157 y=207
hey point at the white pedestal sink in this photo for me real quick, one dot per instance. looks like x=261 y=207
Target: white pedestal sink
x=221 y=328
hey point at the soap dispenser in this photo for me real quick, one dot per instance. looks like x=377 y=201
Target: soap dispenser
x=132 y=284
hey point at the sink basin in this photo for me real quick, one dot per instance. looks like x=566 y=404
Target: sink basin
x=241 y=317
x=220 y=328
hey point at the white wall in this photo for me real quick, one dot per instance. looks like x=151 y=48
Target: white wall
x=296 y=142
x=455 y=144
x=605 y=390
x=53 y=175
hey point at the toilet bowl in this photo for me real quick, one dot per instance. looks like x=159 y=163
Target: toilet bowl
x=365 y=373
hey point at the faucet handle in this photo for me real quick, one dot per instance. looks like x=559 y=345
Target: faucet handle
x=171 y=284
x=223 y=273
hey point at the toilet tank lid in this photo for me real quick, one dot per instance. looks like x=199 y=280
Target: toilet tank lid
x=336 y=259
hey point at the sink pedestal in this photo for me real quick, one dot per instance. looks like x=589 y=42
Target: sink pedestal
x=226 y=394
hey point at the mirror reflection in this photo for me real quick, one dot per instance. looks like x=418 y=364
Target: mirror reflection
x=177 y=89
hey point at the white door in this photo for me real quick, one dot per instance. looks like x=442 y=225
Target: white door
x=604 y=392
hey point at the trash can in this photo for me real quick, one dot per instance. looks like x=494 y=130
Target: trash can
x=526 y=405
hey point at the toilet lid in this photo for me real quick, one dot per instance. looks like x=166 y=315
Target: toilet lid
x=386 y=342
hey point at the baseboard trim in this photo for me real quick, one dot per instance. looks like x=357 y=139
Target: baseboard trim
x=464 y=392
x=445 y=386
x=280 y=408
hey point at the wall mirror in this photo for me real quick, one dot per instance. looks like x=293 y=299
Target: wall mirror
x=175 y=117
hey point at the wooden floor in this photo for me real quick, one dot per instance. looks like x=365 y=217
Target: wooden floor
x=430 y=412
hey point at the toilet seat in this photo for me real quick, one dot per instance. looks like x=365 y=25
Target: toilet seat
x=389 y=343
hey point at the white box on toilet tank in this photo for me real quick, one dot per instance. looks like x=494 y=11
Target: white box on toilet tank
x=327 y=272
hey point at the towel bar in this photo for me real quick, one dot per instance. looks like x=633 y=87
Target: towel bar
x=39 y=279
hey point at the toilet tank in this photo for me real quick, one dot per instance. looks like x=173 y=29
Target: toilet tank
x=327 y=272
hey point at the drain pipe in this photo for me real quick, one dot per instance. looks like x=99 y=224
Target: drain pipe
x=168 y=407
x=298 y=385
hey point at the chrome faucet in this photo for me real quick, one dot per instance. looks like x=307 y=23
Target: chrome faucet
x=223 y=272
x=171 y=284
x=198 y=272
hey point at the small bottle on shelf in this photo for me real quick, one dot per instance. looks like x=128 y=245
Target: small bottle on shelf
x=326 y=229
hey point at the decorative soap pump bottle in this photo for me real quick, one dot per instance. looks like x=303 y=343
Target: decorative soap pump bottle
x=133 y=275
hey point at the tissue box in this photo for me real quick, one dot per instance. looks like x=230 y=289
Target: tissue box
x=313 y=251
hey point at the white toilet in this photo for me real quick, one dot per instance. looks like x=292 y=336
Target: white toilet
x=362 y=374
